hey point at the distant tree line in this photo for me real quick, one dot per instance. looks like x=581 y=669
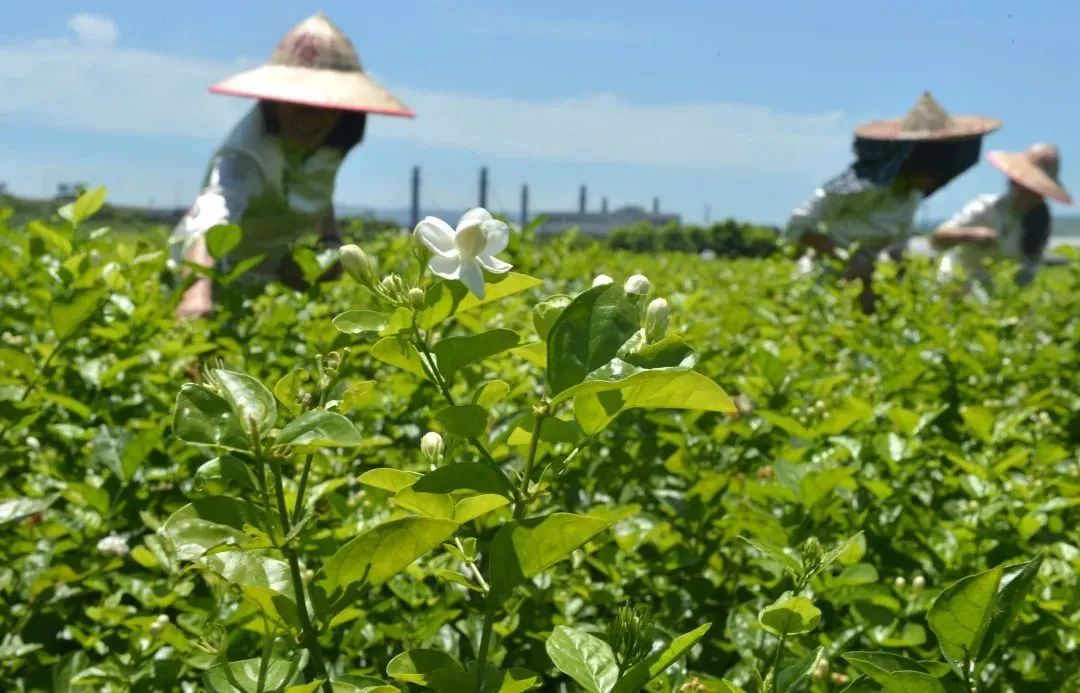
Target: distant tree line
x=727 y=238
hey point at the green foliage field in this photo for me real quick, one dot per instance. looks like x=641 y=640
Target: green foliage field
x=893 y=504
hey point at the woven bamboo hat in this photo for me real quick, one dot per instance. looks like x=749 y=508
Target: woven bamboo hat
x=927 y=120
x=1036 y=169
x=315 y=65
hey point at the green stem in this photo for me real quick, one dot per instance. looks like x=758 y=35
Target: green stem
x=310 y=632
x=485 y=642
x=301 y=488
x=523 y=493
x=264 y=662
x=776 y=661
x=427 y=361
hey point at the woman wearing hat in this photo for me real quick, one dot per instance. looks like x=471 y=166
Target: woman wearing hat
x=274 y=174
x=1013 y=224
x=870 y=208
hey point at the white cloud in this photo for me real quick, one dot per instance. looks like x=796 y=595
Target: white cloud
x=94 y=29
x=94 y=86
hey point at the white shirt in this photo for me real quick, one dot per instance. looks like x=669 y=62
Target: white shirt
x=254 y=183
x=875 y=218
x=995 y=212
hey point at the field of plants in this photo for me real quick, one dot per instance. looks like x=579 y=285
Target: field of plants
x=698 y=476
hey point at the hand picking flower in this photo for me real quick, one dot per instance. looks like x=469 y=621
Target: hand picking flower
x=463 y=253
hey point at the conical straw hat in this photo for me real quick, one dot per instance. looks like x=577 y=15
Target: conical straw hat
x=928 y=121
x=315 y=65
x=1036 y=169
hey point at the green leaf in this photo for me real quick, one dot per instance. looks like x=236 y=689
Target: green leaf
x=447 y=298
x=87 y=205
x=786 y=557
x=585 y=658
x=398 y=352
x=790 y=615
x=204 y=418
x=523 y=549
x=279 y=673
x=464 y=420
x=223 y=475
x=383 y=551
x=249 y=399
x=12 y=361
x=388 y=479
x=895 y=673
x=1010 y=598
x=547 y=311
x=423 y=667
x=319 y=429
x=13 y=509
x=670 y=352
x=635 y=678
x=454 y=353
x=67 y=316
x=553 y=430
x=288 y=390
x=621 y=387
x=791 y=676
x=587 y=335
x=209 y=523
x=222 y=238
x=980 y=421
x=460 y=492
x=251 y=568
x=961 y=614
x=361 y=322
x=491 y=393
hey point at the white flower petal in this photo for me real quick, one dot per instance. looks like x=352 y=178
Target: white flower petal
x=445 y=267
x=476 y=215
x=437 y=235
x=493 y=264
x=472 y=277
x=498 y=235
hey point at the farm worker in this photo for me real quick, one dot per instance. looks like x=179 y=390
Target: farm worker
x=869 y=209
x=1013 y=224
x=274 y=173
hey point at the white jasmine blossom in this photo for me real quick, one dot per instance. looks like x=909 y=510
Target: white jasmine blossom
x=637 y=284
x=113 y=545
x=602 y=280
x=463 y=253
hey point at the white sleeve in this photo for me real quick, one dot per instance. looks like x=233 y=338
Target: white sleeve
x=808 y=216
x=978 y=212
x=233 y=179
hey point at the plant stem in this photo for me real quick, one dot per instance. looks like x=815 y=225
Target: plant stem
x=301 y=488
x=523 y=493
x=427 y=360
x=485 y=642
x=310 y=632
x=776 y=661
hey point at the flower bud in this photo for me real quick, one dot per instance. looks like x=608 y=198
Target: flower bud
x=918 y=583
x=840 y=679
x=357 y=264
x=821 y=671
x=900 y=583
x=159 y=624
x=637 y=284
x=416 y=297
x=393 y=287
x=432 y=446
x=656 y=319
x=602 y=280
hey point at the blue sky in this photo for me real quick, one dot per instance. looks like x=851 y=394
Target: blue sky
x=743 y=107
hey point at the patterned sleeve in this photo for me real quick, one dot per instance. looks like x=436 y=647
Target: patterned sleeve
x=233 y=180
x=978 y=212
